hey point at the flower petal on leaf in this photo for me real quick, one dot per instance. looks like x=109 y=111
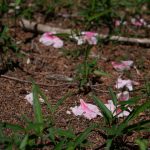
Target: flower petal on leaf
x=117 y=111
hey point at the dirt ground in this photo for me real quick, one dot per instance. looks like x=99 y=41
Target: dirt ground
x=46 y=61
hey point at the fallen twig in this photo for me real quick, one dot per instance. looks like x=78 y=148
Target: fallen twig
x=33 y=26
x=41 y=84
x=59 y=77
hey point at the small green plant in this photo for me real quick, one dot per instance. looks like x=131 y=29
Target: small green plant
x=42 y=132
x=3 y=7
x=9 y=50
x=95 y=12
x=115 y=132
x=88 y=73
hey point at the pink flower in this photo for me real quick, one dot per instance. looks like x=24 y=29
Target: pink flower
x=138 y=22
x=125 y=83
x=89 y=111
x=123 y=96
x=50 y=39
x=123 y=65
x=117 y=23
x=89 y=37
x=116 y=111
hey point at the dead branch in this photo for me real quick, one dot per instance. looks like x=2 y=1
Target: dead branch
x=33 y=26
x=41 y=84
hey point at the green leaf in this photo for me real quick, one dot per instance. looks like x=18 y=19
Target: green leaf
x=82 y=136
x=108 y=144
x=101 y=73
x=12 y=126
x=60 y=101
x=34 y=126
x=98 y=15
x=142 y=143
x=131 y=101
x=52 y=135
x=49 y=106
x=17 y=2
x=105 y=111
x=24 y=142
x=142 y=125
x=113 y=96
x=59 y=146
x=37 y=108
x=65 y=133
x=25 y=118
x=137 y=111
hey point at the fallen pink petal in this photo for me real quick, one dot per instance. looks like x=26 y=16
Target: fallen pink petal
x=49 y=39
x=123 y=96
x=87 y=110
x=116 y=111
x=138 y=22
x=125 y=83
x=119 y=23
x=89 y=37
x=123 y=65
x=29 y=98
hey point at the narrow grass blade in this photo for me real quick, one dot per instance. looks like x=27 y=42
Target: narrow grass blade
x=83 y=136
x=137 y=111
x=59 y=146
x=113 y=96
x=142 y=125
x=60 y=101
x=131 y=101
x=108 y=144
x=105 y=111
x=24 y=142
x=65 y=133
x=52 y=135
x=49 y=106
x=12 y=126
x=37 y=108
x=142 y=143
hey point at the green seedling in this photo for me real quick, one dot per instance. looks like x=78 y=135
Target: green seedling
x=115 y=132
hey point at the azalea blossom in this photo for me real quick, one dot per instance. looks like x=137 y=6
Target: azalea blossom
x=125 y=83
x=49 y=39
x=88 y=110
x=117 y=111
x=89 y=37
x=123 y=65
x=29 y=98
x=138 y=22
x=123 y=96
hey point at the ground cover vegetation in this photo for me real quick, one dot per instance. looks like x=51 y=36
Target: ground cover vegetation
x=75 y=74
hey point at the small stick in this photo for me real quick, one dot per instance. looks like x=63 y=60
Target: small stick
x=29 y=82
x=41 y=28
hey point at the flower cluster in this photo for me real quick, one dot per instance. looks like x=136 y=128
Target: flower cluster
x=50 y=39
x=137 y=22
